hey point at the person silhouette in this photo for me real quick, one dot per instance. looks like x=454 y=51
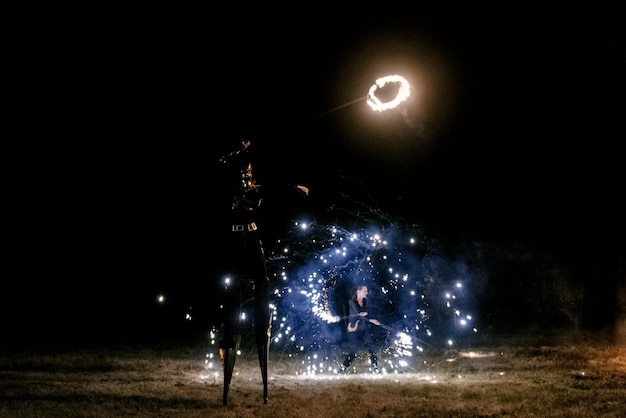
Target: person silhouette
x=359 y=333
x=245 y=262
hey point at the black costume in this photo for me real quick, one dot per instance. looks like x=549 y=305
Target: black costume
x=246 y=264
x=361 y=338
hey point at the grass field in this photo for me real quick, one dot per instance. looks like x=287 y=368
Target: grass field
x=521 y=377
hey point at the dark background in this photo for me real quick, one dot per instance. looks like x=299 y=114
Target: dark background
x=513 y=134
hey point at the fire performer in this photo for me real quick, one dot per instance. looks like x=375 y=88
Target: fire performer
x=359 y=332
x=245 y=263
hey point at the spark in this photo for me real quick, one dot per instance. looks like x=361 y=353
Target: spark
x=406 y=287
x=332 y=257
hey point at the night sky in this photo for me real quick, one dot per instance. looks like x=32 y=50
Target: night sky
x=514 y=133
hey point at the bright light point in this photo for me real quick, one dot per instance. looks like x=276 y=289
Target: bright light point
x=404 y=91
x=161 y=299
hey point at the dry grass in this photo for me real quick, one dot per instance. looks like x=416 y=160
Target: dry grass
x=524 y=380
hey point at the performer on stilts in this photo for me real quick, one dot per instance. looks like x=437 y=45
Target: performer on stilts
x=246 y=264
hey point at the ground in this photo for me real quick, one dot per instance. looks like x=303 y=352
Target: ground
x=569 y=379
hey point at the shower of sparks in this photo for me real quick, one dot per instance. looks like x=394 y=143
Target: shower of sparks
x=404 y=91
x=417 y=293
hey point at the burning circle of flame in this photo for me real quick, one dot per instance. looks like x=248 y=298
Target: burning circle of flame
x=403 y=93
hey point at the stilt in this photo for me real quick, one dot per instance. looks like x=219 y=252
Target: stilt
x=262 y=328
x=229 y=357
x=264 y=349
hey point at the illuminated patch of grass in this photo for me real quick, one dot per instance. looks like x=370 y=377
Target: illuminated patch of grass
x=564 y=380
